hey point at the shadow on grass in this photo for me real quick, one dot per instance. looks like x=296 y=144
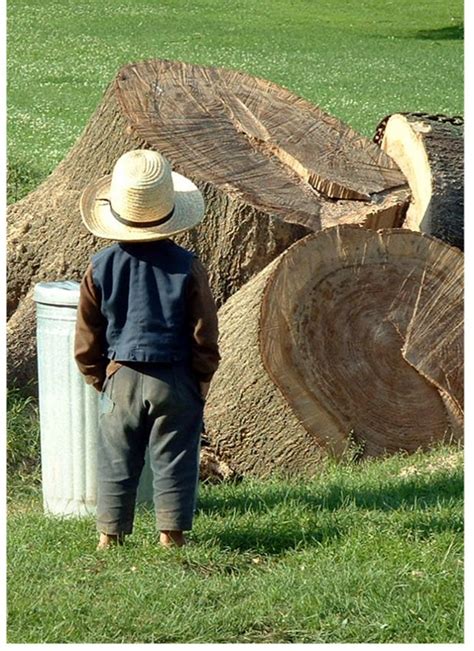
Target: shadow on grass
x=275 y=539
x=22 y=177
x=420 y=492
x=412 y=497
x=270 y=537
x=449 y=33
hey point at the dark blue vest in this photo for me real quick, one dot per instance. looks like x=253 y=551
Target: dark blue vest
x=143 y=298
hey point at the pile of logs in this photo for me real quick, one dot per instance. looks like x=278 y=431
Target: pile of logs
x=341 y=307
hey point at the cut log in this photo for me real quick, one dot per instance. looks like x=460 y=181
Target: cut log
x=271 y=166
x=429 y=150
x=312 y=352
x=248 y=420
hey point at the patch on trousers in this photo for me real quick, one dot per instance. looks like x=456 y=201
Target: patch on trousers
x=106 y=405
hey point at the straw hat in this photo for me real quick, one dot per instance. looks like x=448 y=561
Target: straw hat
x=142 y=200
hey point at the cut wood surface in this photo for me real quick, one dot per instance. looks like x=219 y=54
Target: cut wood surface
x=434 y=338
x=272 y=167
x=429 y=149
x=261 y=142
x=322 y=329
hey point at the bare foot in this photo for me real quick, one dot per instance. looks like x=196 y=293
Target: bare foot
x=172 y=538
x=110 y=540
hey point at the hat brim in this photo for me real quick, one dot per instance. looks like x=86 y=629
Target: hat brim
x=99 y=219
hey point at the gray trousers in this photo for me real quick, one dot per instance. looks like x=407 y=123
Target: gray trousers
x=158 y=405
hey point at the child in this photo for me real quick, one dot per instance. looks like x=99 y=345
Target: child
x=146 y=338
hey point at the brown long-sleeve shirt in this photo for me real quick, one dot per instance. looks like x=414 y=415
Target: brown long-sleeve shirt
x=89 y=347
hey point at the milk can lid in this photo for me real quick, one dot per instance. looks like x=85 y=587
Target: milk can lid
x=60 y=292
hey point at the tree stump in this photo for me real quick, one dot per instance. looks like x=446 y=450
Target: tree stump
x=429 y=150
x=312 y=352
x=271 y=166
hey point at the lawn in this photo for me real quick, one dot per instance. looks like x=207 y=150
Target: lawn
x=361 y=552
x=358 y=60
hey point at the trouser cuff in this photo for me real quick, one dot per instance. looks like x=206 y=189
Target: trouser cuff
x=169 y=521
x=112 y=529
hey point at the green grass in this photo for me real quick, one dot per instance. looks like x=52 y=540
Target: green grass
x=368 y=552
x=23 y=436
x=358 y=60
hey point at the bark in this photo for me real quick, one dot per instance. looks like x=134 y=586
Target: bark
x=312 y=352
x=248 y=420
x=271 y=166
x=429 y=149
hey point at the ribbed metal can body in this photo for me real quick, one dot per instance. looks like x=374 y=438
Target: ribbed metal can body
x=69 y=409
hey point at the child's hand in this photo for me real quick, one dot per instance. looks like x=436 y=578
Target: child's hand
x=204 y=386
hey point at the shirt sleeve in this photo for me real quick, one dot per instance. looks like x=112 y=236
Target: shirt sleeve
x=89 y=340
x=203 y=323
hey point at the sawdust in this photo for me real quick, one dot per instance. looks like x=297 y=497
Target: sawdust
x=450 y=462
